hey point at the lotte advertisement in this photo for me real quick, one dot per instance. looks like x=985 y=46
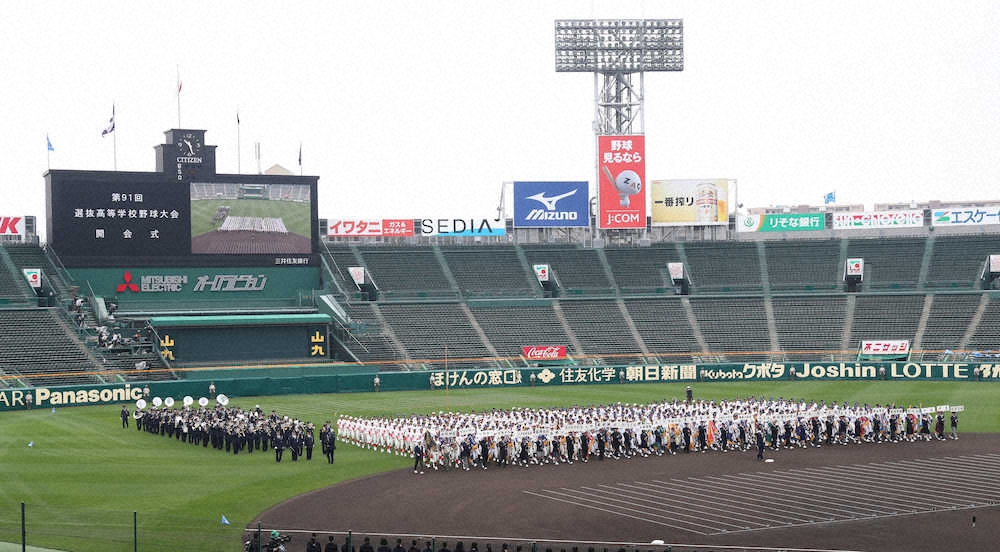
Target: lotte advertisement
x=621 y=164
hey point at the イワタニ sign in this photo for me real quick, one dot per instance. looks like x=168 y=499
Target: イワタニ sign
x=622 y=171
x=690 y=202
x=878 y=219
x=339 y=228
x=786 y=222
x=551 y=204
x=544 y=352
x=33 y=276
x=965 y=216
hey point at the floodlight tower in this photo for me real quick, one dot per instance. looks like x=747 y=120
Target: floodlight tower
x=615 y=51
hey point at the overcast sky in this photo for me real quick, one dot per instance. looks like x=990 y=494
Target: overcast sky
x=417 y=108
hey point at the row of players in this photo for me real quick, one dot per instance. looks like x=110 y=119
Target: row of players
x=781 y=425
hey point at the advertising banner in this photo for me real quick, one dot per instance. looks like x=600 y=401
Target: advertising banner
x=995 y=264
x=473 y=226
x=855 y=267
x=33 y=276
x=622 y=170
x=345 y=228
x=690 y=202
x=551 y=204
x=11 y=226
x=878 y=219
x=542 y=272
x=676 y=271
x=787 y=222
x=965 y=216
x=885 y=347
x=544 y=352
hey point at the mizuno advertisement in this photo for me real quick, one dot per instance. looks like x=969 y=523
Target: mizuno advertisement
x=551 y=204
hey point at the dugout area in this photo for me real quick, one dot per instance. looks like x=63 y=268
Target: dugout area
x=886 y=497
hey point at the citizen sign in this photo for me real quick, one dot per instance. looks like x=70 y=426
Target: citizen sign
x=551 y=352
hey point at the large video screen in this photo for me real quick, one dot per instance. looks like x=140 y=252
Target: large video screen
x=233 y=218
x=97 y=219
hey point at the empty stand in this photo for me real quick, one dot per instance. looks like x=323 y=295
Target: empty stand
x=641 y=269
x=664 y=327
x=987 y=335
x=804 y=264
x=396 y=268
x=889 y=263
x=577 y=269
x=375 y=346
x=34 y=343
x=958 y=261
x=601 y=330
x=488 y=271
x=723 y=266
x=949 y=319
x=809 y=324
x=734 y=324
x=885 y=317
x=425 y=329
x=510 y=327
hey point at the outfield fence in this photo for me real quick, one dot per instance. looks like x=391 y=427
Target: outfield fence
x=53 y=526
x=437 y=543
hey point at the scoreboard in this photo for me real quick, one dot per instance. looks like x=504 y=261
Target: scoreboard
x=184 y=214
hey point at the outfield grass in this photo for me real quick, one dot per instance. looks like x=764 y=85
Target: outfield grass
x=296 y=216
x=85 y=476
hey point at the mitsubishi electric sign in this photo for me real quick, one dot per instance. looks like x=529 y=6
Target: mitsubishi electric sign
x=551 y=204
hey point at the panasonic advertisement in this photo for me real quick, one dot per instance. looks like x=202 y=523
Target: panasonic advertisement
x=551 y=204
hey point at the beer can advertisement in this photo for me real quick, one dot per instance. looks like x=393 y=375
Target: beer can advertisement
x=698 y=202
x=621 y=164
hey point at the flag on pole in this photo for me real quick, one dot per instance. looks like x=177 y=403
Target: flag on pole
x=48 y=143
x=300 y=154
x=830 y=198
x=237 y=116
x=111 y=123
x=224 y=520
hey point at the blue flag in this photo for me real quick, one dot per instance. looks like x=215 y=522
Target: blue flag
x=48 y=143
x=224 y=520
x=31 y=443
x=111 y=124
x=830 y=198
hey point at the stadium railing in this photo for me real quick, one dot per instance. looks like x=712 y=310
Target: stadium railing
x=498 y=544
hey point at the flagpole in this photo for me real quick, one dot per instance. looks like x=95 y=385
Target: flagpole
x=239 y=152
x=114 y=137
x=178 y=95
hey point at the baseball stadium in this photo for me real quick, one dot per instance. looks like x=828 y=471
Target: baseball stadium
x=197 y=360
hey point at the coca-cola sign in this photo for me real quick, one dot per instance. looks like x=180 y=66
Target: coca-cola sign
x=545 y=352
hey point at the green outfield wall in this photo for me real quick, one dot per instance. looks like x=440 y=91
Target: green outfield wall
x=331 y=378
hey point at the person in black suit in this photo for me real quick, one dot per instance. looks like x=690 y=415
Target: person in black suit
x=313 y=545
x=124 y=417
x=418 y=459
x=602 y=445
x=331 y=546
x=760 y=443
x=308 y=441
x=383 y=546
x=366 y=546
x=279 y=446
x=687 y=438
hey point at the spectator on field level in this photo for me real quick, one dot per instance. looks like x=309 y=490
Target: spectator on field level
x=124 y=417
x=383 y=546
x=427 y=546
x=377 y=382
x=366 y=546
x=345 y=548
x=29 y=398
x=313 y=545
x=399 y=546
x=414 y=547
x=211 y=389
x=331 y=545
x=145 y=392
x=532 y=378
x=431 y=377
x=621 y=376
x=444 y=548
